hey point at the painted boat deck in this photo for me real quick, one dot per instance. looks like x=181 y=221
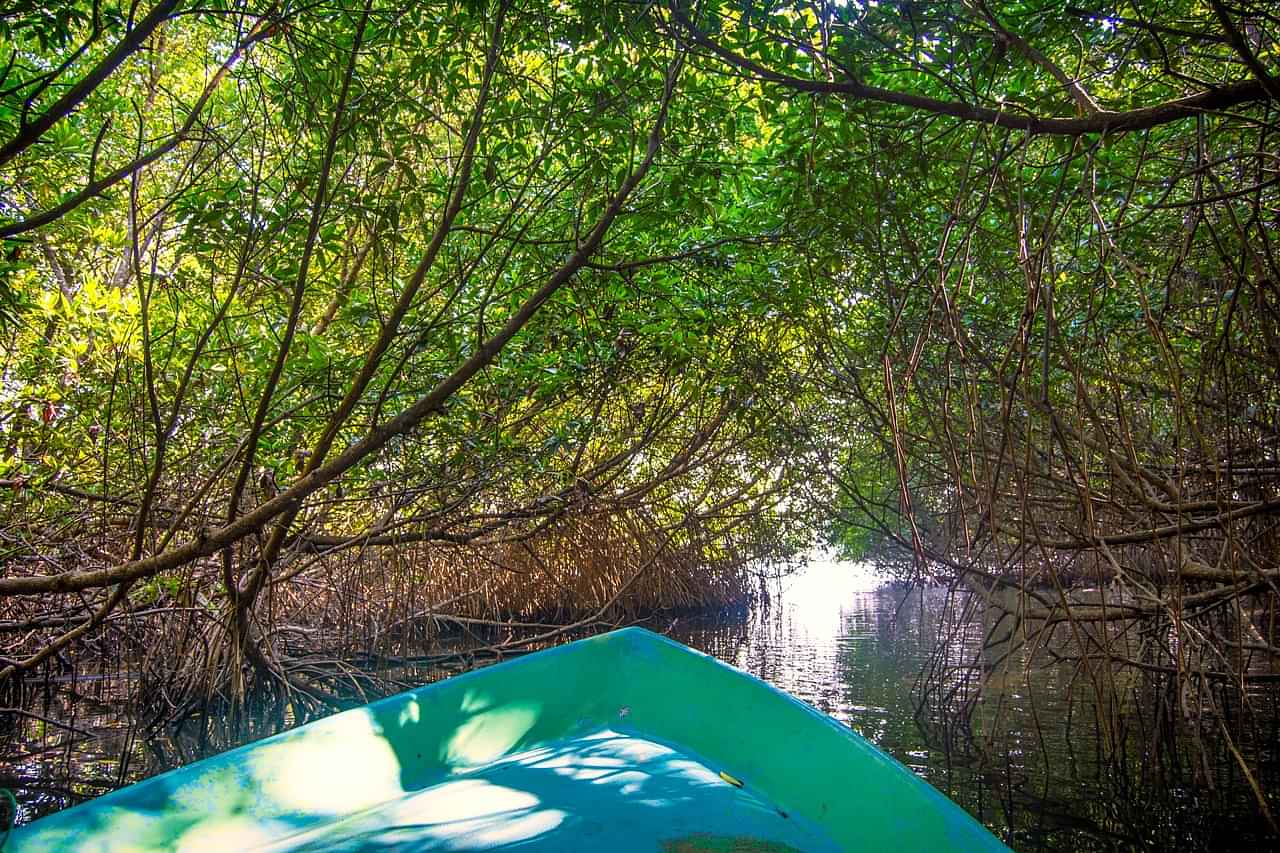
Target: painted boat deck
x=613 y=743
x=605 y=791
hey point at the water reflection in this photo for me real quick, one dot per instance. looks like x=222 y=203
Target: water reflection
x=1036 y=752
x=1044 y=757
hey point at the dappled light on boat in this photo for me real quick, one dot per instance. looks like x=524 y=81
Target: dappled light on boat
x=623 y=742
x=234 y=832
x=466 y=813
x=463 y=801
x=489 y=734
x=410 y=713
x=346 y=765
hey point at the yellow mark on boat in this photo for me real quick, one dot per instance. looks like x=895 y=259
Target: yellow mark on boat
x=737 y=783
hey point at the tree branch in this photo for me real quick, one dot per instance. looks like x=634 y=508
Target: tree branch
x=1143 y=118
x=29 y=134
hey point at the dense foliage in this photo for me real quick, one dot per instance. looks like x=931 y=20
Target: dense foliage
x=467 y=290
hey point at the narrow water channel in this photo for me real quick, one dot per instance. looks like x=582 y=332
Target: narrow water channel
x=1042 y=757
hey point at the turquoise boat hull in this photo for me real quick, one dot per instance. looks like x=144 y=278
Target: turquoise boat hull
x=622 y=742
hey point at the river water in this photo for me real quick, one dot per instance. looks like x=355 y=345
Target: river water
x=1046 y=759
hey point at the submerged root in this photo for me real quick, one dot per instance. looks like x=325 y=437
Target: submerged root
x=324 y=625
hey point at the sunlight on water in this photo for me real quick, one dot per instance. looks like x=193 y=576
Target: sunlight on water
x=798 y=640
x=841 y=639
x=817 y=598
x=834 y=635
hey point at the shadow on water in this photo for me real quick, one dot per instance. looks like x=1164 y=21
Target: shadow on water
x=1039 y=755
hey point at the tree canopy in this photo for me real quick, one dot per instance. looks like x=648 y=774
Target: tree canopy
x=471 y=288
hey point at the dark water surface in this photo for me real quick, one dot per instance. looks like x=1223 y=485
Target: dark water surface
x=1047 y=759
x=1043 y=758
